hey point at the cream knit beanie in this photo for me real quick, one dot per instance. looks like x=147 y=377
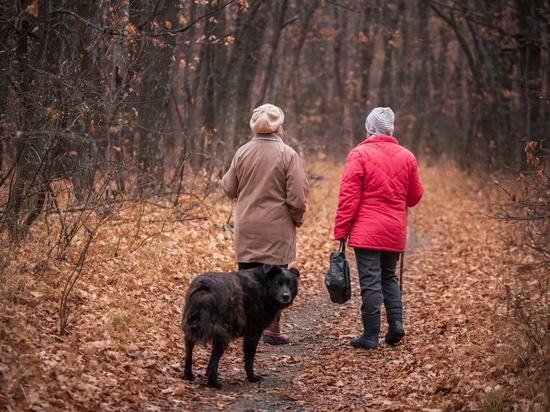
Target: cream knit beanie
x=266 y=119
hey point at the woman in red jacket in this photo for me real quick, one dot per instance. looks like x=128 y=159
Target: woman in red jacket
x=379 y=182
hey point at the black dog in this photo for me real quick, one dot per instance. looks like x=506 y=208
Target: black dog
x=220 y=307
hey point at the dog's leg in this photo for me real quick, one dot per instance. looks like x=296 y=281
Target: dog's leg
x=218 y=348
x=188 y=368
x=249 y=348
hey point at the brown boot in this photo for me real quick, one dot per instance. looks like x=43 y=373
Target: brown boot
x=273 y=335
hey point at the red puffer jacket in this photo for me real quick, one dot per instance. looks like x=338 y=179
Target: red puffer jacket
x=380 y=180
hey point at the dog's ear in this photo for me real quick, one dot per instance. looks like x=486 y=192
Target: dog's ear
x=271 y=270
x=295 y=271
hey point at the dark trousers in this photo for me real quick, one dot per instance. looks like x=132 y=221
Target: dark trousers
x=377 y=278
x=252 y=265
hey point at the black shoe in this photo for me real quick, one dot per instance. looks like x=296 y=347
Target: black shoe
x=395 y=333
x=364 y=342
x=371 y=329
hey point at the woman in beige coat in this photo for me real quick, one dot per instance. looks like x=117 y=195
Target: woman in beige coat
x=267 y=178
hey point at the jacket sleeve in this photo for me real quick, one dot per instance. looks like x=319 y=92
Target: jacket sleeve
x=230 y=183
x=416 y=189
x=349 y=196
x=297 y=189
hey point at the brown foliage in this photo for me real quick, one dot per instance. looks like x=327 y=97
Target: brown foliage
x=123 y=348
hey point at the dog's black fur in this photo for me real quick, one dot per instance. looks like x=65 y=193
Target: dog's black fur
x=221 y=307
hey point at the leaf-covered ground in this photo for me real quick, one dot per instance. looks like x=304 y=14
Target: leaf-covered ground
x=123 y=348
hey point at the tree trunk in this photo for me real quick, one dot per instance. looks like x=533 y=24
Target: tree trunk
x=157 y=66
x=29 y=148
x=269 y=82
x=294 y=79
x=237 y=86
x=212 y=57
x=366 y=54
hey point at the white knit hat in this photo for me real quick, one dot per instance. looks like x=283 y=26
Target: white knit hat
x=380 y=121
x=266 y=119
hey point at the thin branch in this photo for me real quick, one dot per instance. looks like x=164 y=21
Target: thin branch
x=144 y=33
x=292 y=20
x=343 y=6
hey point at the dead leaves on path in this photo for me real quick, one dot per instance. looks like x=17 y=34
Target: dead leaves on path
x=124 y=347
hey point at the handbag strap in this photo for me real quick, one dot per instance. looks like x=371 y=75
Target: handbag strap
x=342 y=246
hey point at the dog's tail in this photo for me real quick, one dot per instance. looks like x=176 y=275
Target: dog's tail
x=198 y=314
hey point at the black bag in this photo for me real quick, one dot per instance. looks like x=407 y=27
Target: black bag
x=337 y=279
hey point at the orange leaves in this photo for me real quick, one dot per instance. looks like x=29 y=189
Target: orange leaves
x=124 y=348
x=244 y=4
x=530 y=148
x=33 y=8
x=363 y=38
x=129 y=30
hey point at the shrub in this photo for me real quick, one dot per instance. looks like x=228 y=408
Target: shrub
x=529 y=284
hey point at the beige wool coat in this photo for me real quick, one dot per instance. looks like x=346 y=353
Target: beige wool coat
x=267 y=178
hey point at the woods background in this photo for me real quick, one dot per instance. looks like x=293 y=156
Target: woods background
x=126 y=97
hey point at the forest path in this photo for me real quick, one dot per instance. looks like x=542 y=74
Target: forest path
x=123 y=349
x=445 y=362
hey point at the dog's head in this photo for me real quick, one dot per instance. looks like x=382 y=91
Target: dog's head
x=282 y=284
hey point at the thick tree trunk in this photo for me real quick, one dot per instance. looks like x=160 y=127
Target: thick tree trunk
x=29 y=148
x=245 y=80
x=155 y=79
x=235 y=94
x=267 y=91
x=294 y=79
